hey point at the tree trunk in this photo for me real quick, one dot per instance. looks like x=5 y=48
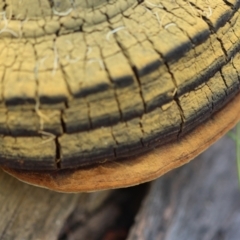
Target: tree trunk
x=197 y=201
x=29 y=212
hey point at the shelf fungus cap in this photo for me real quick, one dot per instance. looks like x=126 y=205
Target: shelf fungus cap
x=106 y=94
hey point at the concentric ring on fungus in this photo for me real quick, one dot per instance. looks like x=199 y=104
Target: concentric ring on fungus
x=105 y=94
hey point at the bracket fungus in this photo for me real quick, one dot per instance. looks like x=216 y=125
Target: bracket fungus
x=112 y=93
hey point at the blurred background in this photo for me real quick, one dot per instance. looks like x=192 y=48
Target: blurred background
x=199 y=201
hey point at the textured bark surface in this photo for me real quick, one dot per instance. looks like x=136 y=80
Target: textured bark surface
x=32 y=213
x=197 y=201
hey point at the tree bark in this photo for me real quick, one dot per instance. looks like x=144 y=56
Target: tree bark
x=29 y=212
x=197 y=201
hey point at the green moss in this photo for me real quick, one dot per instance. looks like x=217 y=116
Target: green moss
x=235 y=135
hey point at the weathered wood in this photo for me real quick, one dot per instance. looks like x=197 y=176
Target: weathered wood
x=198 y=201
x=113 y=218
x=32 y=213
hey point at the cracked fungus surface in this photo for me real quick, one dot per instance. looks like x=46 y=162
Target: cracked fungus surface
x=87 y=81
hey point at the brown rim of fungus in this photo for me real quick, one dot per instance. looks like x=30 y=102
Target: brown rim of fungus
x=89 y=88
x=140 y=169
